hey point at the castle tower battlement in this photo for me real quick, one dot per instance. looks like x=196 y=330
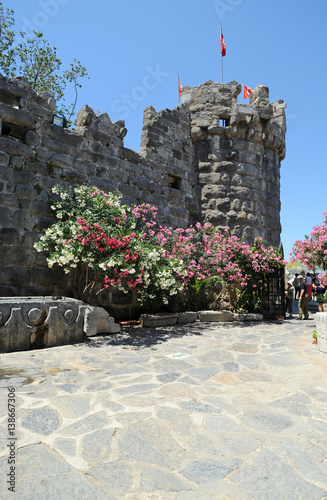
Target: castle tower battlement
x=238 y=150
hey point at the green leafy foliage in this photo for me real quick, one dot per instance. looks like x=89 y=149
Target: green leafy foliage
x=38 y=62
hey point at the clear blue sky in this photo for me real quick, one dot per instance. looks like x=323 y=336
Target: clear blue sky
x=280 y=44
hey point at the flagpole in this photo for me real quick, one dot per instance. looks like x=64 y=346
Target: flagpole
x=179 y=94
x=243 y=90
x=221 y=58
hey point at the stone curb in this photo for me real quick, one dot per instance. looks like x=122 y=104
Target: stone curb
x=216 y=316
x=167 y=319
x=248 y=317
x=163 y=319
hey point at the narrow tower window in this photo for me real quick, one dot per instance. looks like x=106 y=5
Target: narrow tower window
x=174 y=182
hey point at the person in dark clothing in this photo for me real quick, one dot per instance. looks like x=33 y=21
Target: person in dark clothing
x=296 y=286
x=319 y=290
x=289 y=295
x=303 y=299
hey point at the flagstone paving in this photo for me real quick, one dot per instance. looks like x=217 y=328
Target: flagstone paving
x=193 y=412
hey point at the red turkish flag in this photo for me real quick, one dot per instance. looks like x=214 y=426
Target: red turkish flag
x=222 y=45
x=180 y=88
x=247 y=91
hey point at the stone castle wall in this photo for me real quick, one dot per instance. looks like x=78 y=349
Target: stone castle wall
x=209 y=159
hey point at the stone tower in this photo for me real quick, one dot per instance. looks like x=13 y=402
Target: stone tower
x=238 y=149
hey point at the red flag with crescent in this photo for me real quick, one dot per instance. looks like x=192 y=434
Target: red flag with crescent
x=247 y=91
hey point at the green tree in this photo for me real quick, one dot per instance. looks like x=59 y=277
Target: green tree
x=7 y=37
x=38 y=62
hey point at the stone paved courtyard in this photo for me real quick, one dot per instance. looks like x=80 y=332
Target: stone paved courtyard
x=196 y=412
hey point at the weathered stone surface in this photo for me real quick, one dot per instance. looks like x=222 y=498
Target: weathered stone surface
x=36 y=322
x=208 y=471
x=97 y=320
x=270 y=478
x=31 y=138
x=44 y=420
x=154 y=479
x=95 y=448
x=222 y=424
x=116 y=475
x=154 y=320
x=189 y=447
x=149 y=442
x=66 y=446
x=135 y=388
x=87 y=424
x=47 y=475
x=187 y=317
x=168 y=377
x=321 y=321
x=204 y=373
x=196 y=407
x=266 y=422
x=248 y=317
x=72 y=406
x=296 y=404
x=219 y=316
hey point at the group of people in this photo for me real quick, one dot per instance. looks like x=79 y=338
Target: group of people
x=302 y=289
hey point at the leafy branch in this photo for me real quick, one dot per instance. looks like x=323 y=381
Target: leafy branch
x=38 y=62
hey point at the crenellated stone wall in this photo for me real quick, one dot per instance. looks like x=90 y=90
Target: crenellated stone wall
x=209 y=159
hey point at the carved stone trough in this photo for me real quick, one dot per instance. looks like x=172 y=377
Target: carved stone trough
x=37 y=322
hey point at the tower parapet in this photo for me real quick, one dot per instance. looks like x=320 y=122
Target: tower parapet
x=238 y=150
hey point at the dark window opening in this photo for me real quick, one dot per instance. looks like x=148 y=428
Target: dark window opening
x=224 y=122
x=174 y=182
x=13 y=131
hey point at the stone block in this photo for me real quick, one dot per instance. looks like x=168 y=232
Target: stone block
x=74 y=174
x=48 y=182
x=105 y=184
x=37 y=322
x=6 y=173
x=67 y=136
x=4 y=216
x=23 y=177
x=8 y=236
x=130 y=155
x=35 y=207
x=17 y=116
x=4 y=158
x=26 y=191
x=321 y=322
x=16 y=254
x=248 y=317
x=216 y=316
x=13 y=276
x=23 y=220
x=162 y=319
x=31 y=138
x=97 y=320
x=187 y=317
x=130 y=191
